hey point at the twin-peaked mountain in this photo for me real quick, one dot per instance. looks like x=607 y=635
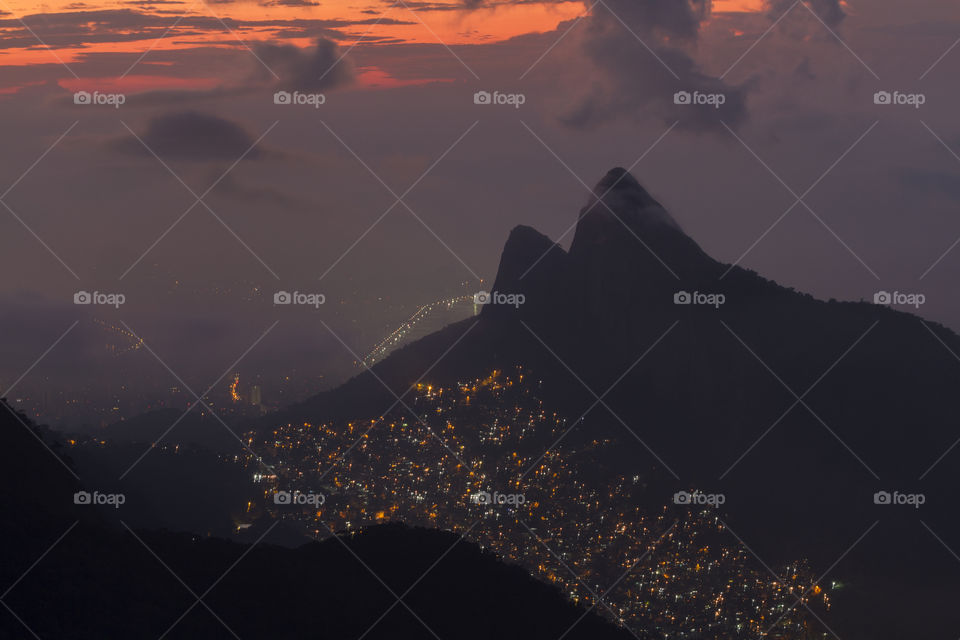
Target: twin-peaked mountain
x=799 y=410
x=703 y=381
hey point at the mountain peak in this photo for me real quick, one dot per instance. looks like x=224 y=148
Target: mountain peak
x=626 y=248
x=532 y=264
x=620 y=195
x=619 y=178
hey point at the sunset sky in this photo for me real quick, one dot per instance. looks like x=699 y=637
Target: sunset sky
x=72 y=32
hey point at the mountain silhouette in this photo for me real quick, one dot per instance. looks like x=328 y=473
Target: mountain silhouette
x=709 y=375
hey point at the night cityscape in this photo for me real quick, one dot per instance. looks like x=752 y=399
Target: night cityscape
x=571 y=527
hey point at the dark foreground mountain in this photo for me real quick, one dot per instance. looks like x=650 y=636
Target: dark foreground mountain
x=67 y=574
x=803 y=413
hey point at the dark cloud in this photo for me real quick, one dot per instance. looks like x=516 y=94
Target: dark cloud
x=804 y=71
x=316 y=69
x=637 y=49
x=315 y=29
x=830 y=11
x=80 y=28
x=671 y=18
x=291 y=3
x=640 y=49
x=191 y=135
